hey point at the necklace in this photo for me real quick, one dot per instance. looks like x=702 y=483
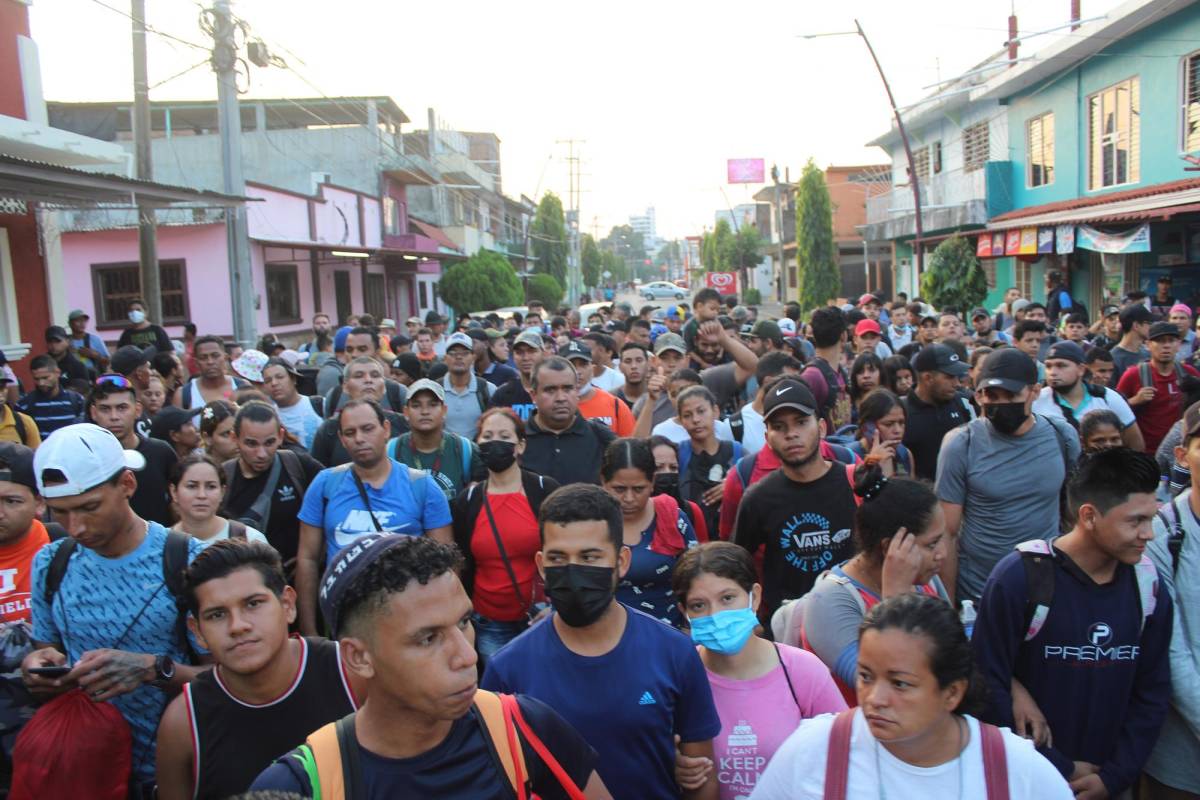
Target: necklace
x=961 y=746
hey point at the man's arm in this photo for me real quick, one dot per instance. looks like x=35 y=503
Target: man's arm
x=1132 y=438
x=951 y=488
x=743 y=357
x=730 y=503
x=949 y=571
x=173 y=758
x=711 y=790
x=308 y=571
x=443 y=534
x=655 y=386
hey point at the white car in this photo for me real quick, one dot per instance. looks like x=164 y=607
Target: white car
x=657 y=289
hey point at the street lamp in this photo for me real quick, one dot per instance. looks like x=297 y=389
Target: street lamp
x=918 y=256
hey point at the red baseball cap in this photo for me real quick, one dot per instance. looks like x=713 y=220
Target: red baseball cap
x=867 y=326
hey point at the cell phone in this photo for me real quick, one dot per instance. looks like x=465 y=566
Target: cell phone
x=50 y=672
x=870 y=432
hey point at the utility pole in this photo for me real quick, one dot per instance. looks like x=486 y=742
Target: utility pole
x=780 y=267
x=574 y=277
x=918 y=255
x=229 y=116
x=147 y=224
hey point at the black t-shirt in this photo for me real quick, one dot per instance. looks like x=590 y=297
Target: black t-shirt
x=703 y=472
x=513 y=395
x=927 y=424
x=283 y=523
x=154 y=336
x=461 y=767
x=74 y=370
x=805 y=528
x=151 y=500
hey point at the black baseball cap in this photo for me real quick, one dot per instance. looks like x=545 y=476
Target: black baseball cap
x=789 y=393
x=19 y=459
x=168 y=420
x=1135 y=312
x=1007 y=368
x=1067 y=351
x=769 y=330
x=575 y=350
x=939 y=358
x=57 y=332
x=128 y=358
x=1160 y=329
x=1109 y=311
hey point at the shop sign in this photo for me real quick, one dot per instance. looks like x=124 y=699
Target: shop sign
x=1136 y=240
x=1064 y=239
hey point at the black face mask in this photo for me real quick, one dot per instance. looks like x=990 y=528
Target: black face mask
x=497 y=455
x=666 y=483
x=580 y=593
x=1006 y=417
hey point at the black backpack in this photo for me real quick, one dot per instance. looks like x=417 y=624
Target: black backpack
x=174 y=563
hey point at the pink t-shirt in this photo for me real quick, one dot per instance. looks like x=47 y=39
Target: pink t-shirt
x=758 y=715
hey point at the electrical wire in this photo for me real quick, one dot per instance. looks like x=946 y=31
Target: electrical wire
x=150 y=29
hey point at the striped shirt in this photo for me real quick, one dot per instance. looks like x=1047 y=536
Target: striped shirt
x=51 y=413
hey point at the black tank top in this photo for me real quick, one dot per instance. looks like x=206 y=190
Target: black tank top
x=233 y=741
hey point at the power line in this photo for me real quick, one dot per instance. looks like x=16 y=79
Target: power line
x=151 y=29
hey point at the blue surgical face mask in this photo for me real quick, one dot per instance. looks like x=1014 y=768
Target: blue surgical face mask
x=725 y=632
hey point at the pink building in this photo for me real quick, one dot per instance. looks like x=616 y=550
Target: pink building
x=338 y=251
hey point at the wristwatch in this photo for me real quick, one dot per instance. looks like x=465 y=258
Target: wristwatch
x=164 y=672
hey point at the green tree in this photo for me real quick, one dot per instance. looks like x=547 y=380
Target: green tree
x=484 y=281
x=590 y=260
x=954 y=278
x=744 y=254
x=816 y=255
x=615 y=265
x=545 y=288
x=716 y=247
x=548 y=238
x=669 y=254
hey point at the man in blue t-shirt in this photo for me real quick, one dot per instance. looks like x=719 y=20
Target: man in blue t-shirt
x=624 y=680
x=112 y=619
x=1084 y=624
x=371 y=494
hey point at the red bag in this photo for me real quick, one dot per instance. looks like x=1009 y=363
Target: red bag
x=93 y=738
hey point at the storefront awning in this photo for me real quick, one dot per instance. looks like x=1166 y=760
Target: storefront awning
x=1158 y=202
x=435 y=233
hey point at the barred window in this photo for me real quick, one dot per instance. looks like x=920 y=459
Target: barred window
x=114 y=285
x=975 y=146
x=1113 y=135
x=1191 y=103
x=1040 y=148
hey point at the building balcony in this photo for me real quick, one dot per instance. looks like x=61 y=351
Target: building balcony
x=948 y=200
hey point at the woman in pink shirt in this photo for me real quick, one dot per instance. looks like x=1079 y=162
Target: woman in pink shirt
x=762 y=690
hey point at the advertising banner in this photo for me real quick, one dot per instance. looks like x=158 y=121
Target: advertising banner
x=723 y=282
x=1136 y=240
x=1029 y=241
x=1012 y=242
x=983 y=248
x=1045 y=241
x=745 y=170
x=1064 y=239
x=997 y=244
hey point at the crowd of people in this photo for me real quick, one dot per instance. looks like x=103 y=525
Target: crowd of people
x=878 y=550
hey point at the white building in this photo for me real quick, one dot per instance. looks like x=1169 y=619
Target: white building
x=645 y=225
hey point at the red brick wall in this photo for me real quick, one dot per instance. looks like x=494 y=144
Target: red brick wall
x=29 y=276
x=14 y=22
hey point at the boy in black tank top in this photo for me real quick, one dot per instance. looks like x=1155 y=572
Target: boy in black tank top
x=267 y=692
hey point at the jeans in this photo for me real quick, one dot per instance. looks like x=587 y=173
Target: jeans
x=491 y=635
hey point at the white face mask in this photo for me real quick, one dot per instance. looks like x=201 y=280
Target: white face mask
x=137 y=317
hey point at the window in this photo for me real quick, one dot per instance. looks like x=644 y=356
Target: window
x=283 y=294
x=921 y=163
x=375 y=295
x=423 y=294
x=975 y=146
x=114 y=285
x=1113 y=135
x=1191 y=103
x=1022 y=274
x=391 y=216
x=937 y=157
x=1039 y=144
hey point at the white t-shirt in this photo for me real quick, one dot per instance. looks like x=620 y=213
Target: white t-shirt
x=300 y=419
x=610 y=380
x=754 y=430
x=1048 y=406
x=678 y=434
x=798 y=769
x=252 y=535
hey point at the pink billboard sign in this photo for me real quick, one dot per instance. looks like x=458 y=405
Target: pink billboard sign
x=746 y=170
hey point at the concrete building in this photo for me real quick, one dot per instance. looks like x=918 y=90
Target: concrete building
x=646 y=225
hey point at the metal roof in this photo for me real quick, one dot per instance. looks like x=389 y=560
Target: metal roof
x=1149 y=202
x=74 y=188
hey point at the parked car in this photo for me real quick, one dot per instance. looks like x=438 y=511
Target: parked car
x=682 y=283
x=657 y=289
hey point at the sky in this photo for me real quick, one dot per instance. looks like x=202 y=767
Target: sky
x=661 y=92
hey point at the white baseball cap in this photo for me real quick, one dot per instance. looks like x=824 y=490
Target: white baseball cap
x=86 y=455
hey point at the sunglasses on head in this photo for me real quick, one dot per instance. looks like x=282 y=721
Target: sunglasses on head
x=119 y=381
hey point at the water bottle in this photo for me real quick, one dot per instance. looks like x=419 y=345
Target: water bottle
x=967 y=615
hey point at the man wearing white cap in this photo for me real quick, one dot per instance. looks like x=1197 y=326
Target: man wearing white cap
x=102 y=598
x=467 y=394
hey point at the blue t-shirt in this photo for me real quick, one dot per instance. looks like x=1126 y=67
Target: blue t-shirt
x=647 y=584
x=344 y=517
x=97 y=600
x=628 y=703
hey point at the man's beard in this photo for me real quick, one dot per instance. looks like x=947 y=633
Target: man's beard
x=1067 y=388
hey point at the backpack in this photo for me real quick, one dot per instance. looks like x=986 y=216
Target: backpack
x=392 y=390
x=842 y=455
x=836 y=408
x=1069 y=413
x=737 y=425
x=837 y=760
x=685 y=454
x=330 y=756
x=261 y=508
x=460 y=442
x=1146 y=379
x=1175 y=532
x=1066 y=518
x=174 y=563
x=416 y=478
x=1038 y=560
x=20 y=424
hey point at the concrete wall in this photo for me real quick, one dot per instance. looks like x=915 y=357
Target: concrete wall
x=1154 y=55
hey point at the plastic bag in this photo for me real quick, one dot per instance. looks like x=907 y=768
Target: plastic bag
x=92 y=738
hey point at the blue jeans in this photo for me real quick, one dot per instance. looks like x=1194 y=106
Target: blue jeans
x=491 y=635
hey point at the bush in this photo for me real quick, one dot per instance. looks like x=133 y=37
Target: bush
x=545 y=288
x=953 y=277
x=481 y=283
x=752 y=297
